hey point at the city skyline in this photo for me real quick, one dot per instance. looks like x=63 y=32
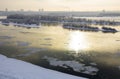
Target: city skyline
x=61 y=5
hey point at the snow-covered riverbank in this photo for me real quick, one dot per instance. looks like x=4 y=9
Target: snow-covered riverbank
x=16 y=69
x=22 y=25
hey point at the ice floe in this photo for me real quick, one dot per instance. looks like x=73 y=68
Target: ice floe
x=75 y=65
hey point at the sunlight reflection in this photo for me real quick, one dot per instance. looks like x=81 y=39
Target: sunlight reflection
x=77 y=41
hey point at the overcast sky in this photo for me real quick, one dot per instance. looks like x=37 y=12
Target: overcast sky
x=61 y=5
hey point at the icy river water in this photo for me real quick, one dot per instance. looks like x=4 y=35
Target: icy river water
x=52 y=42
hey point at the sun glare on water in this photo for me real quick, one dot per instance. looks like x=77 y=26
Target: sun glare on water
x=77 y=41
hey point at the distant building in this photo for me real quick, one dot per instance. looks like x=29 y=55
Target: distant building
x=41 y=10
x=103 y=11
x=6 y=9
x=21 y=10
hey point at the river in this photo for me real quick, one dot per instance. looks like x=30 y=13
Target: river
x=31 y=45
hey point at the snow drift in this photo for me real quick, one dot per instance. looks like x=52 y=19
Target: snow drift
x=16 y=69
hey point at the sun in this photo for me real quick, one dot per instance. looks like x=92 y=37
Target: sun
x=77 y=41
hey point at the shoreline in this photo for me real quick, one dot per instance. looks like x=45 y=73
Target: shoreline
x=16 y=69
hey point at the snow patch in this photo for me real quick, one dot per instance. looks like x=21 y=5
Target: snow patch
x=17 y=69
x=94 y=64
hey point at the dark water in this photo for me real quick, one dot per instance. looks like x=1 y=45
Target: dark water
x=95 y=49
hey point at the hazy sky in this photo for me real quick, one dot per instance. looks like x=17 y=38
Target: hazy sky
x=55 y=5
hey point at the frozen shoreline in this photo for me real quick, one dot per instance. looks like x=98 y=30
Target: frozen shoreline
x=16 y=69
x=22 y=25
